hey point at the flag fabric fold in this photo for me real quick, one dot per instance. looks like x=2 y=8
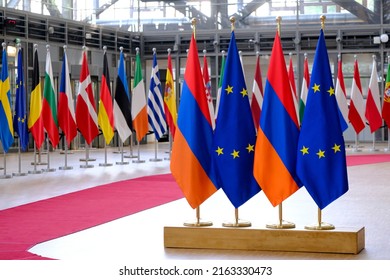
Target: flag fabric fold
x=207 y=83
x=305 y=89
x=233 y=153
x=49 y=104
x=6 y=126
x=356 y=106
x=373 y=103
x=105 y=112
x=20 y=113
x=257 y=94
x=86 y=116
x=122 y=108
x=35 y=119
x=191 y=150
x=156 y=114
x=170 y=98
x=341 y=97
x=66 y=112
x=138 y=102
x=277 y=137
x=321 y=162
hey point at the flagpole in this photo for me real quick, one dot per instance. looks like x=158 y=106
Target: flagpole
x=170 y=145
x=155 y=152
x=19 y=173
x=48 y=169
x=66 y=167
x=105 y=156
x=86 y=165
x=131 y=155
x=122 y=162
x=35 y=171
x=5 y=175
x=138 y=160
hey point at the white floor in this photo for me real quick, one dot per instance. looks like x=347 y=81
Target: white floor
x=140 y=236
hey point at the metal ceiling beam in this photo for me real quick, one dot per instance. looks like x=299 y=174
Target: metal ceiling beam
x=52 y=8
x=359 y=11
x=12 y=4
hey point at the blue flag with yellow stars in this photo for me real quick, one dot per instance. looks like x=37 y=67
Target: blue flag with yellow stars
x=234 y=135
x=321 y=162
x=20 y=114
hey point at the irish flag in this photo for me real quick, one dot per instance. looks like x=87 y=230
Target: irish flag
x=138 y=104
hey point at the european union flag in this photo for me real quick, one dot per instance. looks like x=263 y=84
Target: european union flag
x=321 y=162
x=235 y=135
x=20 y=116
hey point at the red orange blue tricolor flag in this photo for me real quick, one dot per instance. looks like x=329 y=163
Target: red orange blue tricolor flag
x=191 y=149
x=277 y=137
x=86 y=116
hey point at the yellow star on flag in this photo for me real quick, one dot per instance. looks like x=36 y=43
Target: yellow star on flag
x=244 y=92
x=331 y=91
x=316 y=87
x=336 y=148
x=235 y=154
x=250 y=148
x=229 y=89
x=305 y=150
x=219 y=151
x=320 y=154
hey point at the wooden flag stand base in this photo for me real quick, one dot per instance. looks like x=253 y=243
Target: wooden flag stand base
x=340 y=240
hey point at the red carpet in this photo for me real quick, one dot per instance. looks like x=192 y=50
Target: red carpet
x=353 y=160
x=25 y=226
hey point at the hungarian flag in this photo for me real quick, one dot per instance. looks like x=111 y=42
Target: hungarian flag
x=66 y=114
x=386 y=99
x=122 y=109
x=341 y=97
x=138 y=102
x=170 y=98
x=373 y=103
x=356 y=108
x=35 y=119
x=305 y=89
x=192 y=147
x=257 y=95
x=277 y=137
x=106 y=114
x=49 y=104
x=6 y=127
x=207 y=84
x=86 y=117
x=20 y=113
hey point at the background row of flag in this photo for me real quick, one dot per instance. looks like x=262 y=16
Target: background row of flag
x=124 y=111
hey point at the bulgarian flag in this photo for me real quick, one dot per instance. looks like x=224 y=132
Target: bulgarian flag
x=49 y=104
x=138 y=104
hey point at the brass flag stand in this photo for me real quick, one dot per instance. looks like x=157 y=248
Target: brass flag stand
x=237 y=222
x=282 y=224
x=198 y=222
x=321 y=225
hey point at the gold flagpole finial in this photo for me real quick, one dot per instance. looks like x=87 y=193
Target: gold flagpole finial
x=193 y=22
x=232 y=21
x=278 y=23
x=323 y=18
